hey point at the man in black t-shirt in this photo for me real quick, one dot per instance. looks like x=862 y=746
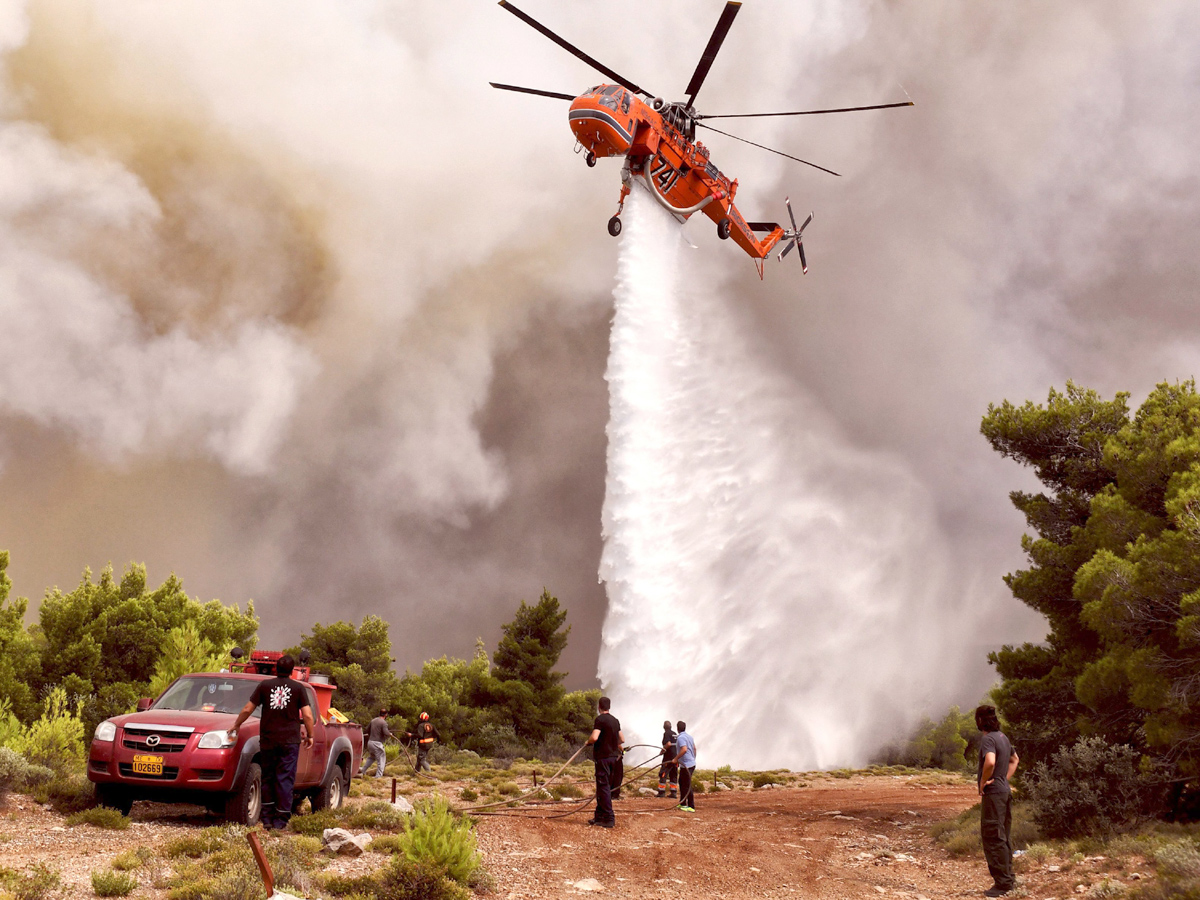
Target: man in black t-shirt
x=668 y=772
x=607 y=746
x=997 y=763
x=284 y=704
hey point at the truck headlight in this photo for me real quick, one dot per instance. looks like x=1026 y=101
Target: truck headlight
x=105 y=731
x=216 y=740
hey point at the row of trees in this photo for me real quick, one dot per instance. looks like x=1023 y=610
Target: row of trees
x=1114 y=567
x=513 y=705
x=93 y=651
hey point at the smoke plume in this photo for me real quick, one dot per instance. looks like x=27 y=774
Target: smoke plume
x=298 y=307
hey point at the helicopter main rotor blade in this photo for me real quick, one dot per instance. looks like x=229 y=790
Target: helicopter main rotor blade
x=573 y=50
x=808 y=112
x=768 y=149
x=710 y=51
x=525 y=90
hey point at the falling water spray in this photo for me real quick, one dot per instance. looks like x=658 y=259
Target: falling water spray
x=762 y=575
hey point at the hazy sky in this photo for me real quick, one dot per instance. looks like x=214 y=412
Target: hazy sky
x=297 y=307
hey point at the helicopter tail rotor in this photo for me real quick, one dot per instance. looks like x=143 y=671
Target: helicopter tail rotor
x=795 y=236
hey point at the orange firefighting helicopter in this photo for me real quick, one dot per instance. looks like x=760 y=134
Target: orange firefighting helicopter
x=658 y=140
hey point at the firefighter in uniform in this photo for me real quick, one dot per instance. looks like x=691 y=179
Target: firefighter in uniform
x=425 y=735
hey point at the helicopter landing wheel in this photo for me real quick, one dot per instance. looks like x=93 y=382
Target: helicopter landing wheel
x=723 y=229
x=614 y=226
x=590 y=159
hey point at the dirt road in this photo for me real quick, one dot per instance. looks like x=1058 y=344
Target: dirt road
x=828 y=839
x=836 y=838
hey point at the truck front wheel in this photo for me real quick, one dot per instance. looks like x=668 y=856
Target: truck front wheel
x=332 y=792
x=114 y=797
x=244 y=805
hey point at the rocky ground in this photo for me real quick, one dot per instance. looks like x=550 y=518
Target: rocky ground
x=859 y=837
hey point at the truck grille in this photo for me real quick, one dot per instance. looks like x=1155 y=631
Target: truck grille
x=166 y=744
x=170 y=773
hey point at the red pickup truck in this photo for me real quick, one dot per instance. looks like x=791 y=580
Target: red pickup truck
x=176 y=750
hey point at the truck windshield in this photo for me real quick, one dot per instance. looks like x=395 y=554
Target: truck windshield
x=208 y=694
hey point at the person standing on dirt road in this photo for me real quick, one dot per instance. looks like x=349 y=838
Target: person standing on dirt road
x=284 y=704
x=668 y=772
x=425 y=734
x=686 y=760
x=377 y=733
x=607 y=746
x=997 y=763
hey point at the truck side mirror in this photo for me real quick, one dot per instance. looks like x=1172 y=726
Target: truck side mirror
x=144 y=704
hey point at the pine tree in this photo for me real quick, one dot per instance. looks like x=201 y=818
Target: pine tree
x=524 y=667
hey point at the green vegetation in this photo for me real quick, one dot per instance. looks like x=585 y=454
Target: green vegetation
x=100 y=817
x=513 y=709
x=433 y=834
x=94 y=651
x=38 y=882
x=132 y=859
x=960 y=835
x=1114 y=569
x=113 y=884
x=935 y=745
x=217 y=864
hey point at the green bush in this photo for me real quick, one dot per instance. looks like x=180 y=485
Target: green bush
x=408 y=880
x=66 y=794
x=315 y=824
x=113 y=884
x=434 y=835
x=132 y=859
x=100 y=817
x=376 y=815
x=387 y=843
x=1179 y=860
x=469 y=795
x=1092 y=787
x=38 y=882
x=960 y=835
x=292 y=860
x=347 y=886
x=567 y=790
x=56 y=739
x=201 y=843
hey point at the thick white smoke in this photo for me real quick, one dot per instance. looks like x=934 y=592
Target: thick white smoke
x=296 y=305
x=754 y=563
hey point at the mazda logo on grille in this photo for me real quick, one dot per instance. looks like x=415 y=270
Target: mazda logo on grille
x=152 y=740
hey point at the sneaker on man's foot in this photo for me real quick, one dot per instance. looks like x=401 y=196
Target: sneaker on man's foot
x=673 y=795
x=661 y=794
x=688 y=808
x=996 y=891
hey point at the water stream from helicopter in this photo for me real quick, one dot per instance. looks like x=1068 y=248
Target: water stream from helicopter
x=758 y=579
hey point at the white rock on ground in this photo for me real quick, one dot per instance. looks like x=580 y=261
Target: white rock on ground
x=403 y=805
x=341 y=842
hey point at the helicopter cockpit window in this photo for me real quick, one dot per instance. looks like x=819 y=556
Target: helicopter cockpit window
x=609 y=96
x=625 y=101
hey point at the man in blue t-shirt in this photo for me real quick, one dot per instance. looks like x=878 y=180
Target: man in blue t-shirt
x=607 y=746
x=685 y=758
x=997 y=763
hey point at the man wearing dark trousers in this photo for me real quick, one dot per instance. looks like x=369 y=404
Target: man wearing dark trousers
x=284 y=705
x=997 y=763
x=685 y=758
x=668 y=772
x=425 y=735
x=607 y=746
